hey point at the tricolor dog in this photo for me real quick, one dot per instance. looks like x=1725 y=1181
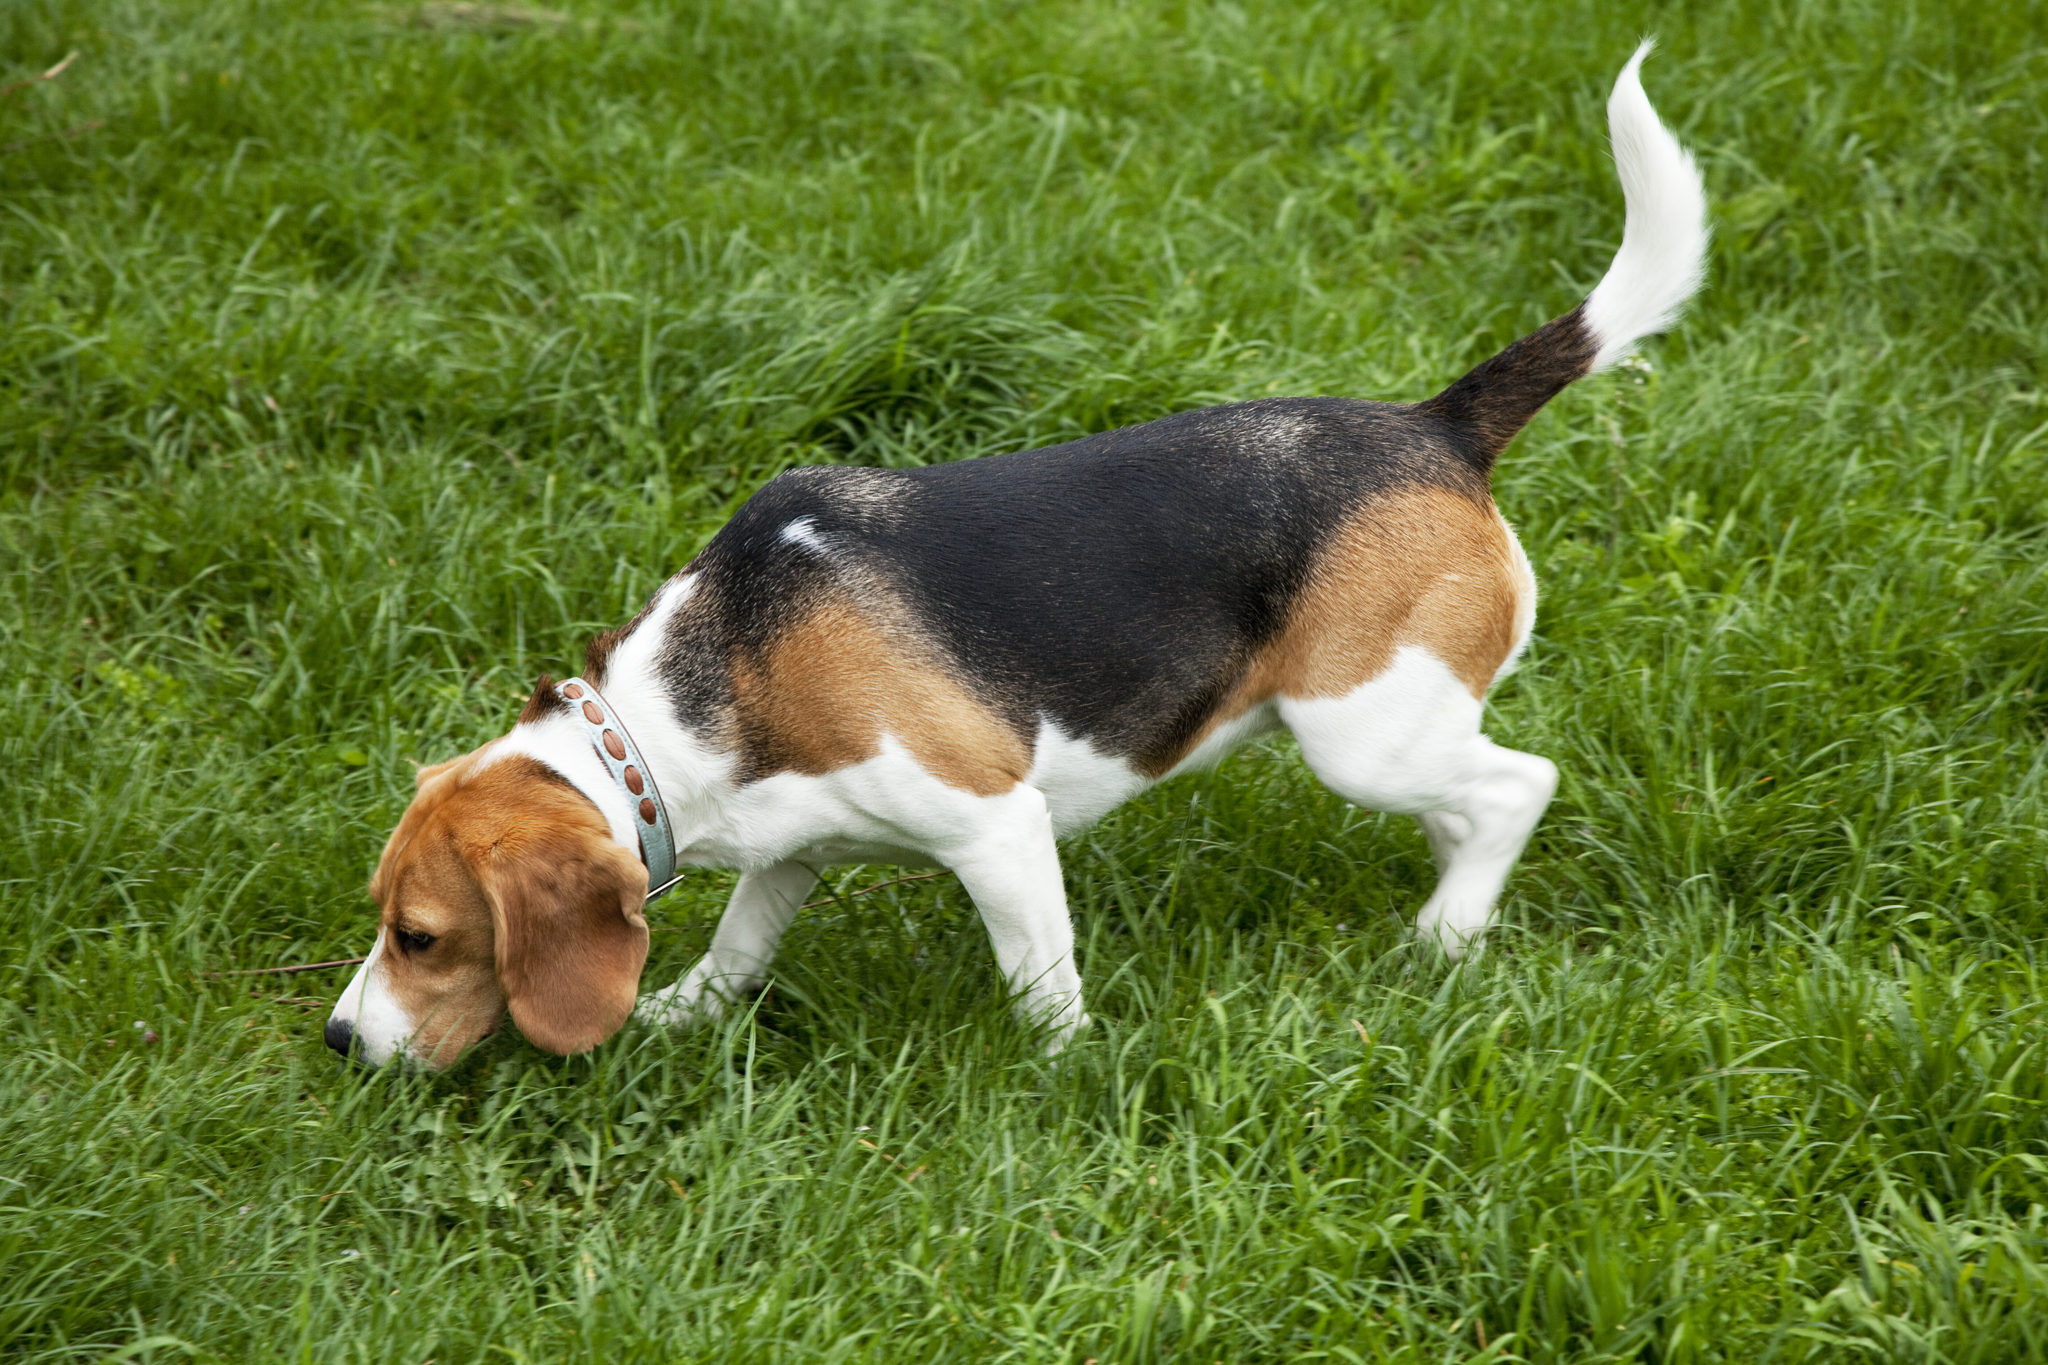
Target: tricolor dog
x=957 y=665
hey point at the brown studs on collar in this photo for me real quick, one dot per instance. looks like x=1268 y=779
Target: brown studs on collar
x=615 y=745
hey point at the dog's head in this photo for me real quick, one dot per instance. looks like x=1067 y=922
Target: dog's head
x=501 y=887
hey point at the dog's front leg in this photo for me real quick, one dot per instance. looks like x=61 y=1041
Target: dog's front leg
x=761 y=907
x=1012 y=871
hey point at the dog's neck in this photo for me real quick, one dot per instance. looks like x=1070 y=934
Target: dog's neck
x=689 y=774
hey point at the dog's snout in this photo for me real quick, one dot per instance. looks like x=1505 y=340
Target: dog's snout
x=339 y=1033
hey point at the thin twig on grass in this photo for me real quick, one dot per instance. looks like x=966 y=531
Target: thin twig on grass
x=473 y=16
x=14 y=87
x=35 y=80
x=460 y=15
x=893 y=881
x=291 y=968
x=52 y=74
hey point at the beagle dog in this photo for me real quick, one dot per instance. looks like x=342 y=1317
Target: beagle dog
x=959 y=664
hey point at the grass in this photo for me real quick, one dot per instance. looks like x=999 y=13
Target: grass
x=358 y=361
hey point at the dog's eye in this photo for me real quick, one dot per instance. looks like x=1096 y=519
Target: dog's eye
x=413 y=941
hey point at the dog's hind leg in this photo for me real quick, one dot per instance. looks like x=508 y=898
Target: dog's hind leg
x=1479 y=840
x=1408 y=742
x=742 y=946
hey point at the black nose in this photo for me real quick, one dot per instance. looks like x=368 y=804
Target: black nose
x=339 y=1033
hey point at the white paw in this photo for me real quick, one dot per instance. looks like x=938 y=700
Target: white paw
x=677 y=1007
x=1447 y=934
x=1061 y=1032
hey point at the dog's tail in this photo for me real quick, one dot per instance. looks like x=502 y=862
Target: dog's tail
x=1660 y=264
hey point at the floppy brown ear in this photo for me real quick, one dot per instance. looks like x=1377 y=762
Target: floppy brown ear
x=571 y=938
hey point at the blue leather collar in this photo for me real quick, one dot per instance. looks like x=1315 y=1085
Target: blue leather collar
x=623 y=760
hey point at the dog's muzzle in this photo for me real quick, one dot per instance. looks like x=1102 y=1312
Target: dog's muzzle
x=340 y=1035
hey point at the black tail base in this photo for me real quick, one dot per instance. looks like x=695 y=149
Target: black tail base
x=1499 y=396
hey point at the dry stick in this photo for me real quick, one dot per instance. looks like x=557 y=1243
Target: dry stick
x=296 y=967
x=893 y=881
x=52 y=74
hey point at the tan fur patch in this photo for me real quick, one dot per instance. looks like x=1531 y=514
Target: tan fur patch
x=831 y=687
x=1432 y=567
x=484 y=841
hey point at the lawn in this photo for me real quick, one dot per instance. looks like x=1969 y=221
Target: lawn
x=358 y=361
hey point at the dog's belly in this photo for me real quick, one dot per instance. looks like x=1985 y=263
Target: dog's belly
x=889 y=809
x=1218 y=743
x=840 y=853
x=1082 y=784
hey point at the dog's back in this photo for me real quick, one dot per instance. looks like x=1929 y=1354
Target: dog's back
x=1139 y=588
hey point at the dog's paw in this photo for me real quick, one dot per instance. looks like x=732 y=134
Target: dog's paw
x=1060 y=1033
x=677 y=1007
x=1455 y=944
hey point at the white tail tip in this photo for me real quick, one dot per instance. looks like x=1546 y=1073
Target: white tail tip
x=1663 y=254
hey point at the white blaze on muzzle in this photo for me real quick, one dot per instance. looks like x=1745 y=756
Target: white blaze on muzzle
x=368 y=1012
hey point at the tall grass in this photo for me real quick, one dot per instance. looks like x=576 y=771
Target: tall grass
x=357 y=361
